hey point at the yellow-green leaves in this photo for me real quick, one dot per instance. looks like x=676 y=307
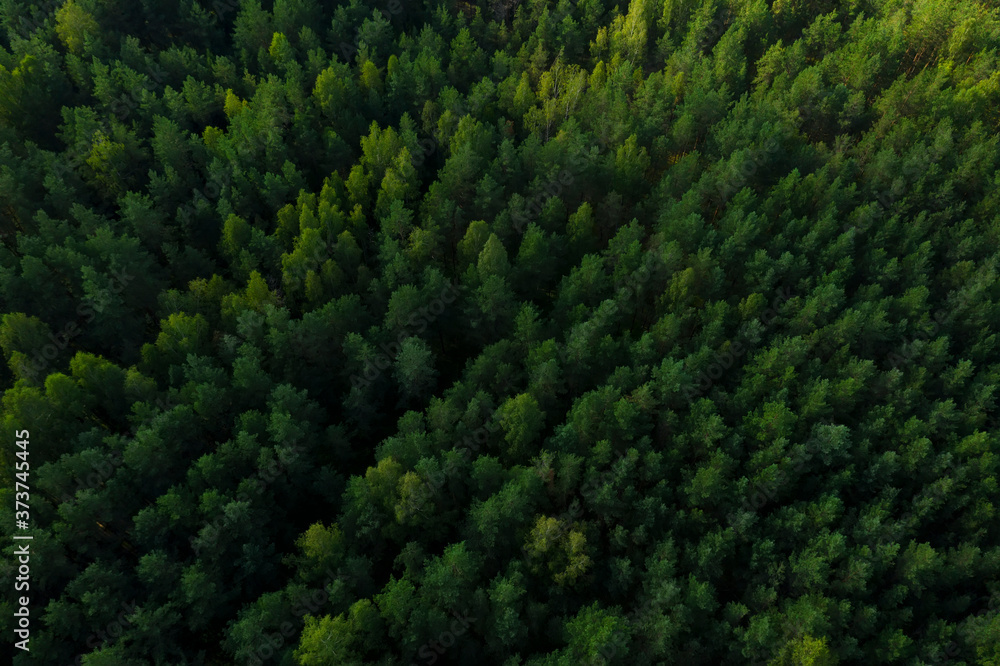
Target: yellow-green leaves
x=805 y=651
x=560 y=547
x=74 y=25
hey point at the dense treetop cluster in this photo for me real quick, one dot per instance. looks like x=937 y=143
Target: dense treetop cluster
x=517 y=333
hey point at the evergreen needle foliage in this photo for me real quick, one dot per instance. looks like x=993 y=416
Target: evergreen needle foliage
x=503 y=332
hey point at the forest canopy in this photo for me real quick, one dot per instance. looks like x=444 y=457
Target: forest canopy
x=519 y=333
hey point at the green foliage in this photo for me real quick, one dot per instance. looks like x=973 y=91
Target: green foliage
x=74 y=25
x=515 y=333
x=805 y=651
